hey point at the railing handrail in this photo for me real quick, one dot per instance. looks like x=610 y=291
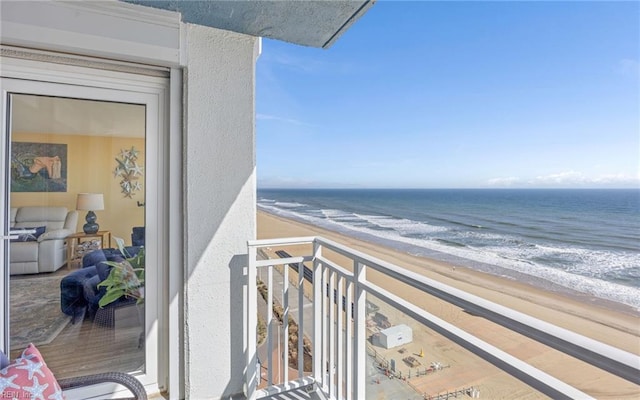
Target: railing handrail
x=282 y=241
x=619 y=362
x=629 y=363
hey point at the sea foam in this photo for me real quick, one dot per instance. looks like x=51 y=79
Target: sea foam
x=588 y=271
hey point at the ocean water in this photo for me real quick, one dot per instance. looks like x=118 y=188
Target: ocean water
x=582 y=240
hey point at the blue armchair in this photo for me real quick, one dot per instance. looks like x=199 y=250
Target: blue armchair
x=79 y=291
x=137 y=236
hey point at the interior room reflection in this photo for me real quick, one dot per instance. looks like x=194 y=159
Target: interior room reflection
x=77 y=278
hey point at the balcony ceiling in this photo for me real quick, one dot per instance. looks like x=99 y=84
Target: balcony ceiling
x=57 y=115
x=310 y=23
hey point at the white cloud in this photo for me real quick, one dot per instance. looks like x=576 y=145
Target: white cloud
x=559 y=179
x=504 y=182
x=267 y=117
x=279 y=182
x=618 y=179
x=309 y=64
x=277 y=57
x=569 y=179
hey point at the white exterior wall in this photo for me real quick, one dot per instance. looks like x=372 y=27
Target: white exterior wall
x=218 y=140
x=220 y=205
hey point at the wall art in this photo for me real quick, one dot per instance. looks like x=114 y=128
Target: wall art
x=128 y=170
x=38 y=167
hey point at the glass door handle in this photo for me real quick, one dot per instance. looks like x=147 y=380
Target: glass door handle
x=15 y=233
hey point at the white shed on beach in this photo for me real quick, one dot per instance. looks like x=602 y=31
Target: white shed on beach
x=395 y=336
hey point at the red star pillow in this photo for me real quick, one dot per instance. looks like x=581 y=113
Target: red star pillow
x=29 y=378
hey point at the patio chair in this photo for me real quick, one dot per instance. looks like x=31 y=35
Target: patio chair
x=126 y=380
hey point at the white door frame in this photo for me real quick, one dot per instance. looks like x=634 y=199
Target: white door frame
x=34 y=77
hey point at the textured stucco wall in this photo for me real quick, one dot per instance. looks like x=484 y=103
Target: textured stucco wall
x=219 y=216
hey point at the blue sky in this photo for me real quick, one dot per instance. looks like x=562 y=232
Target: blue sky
x=457 y=95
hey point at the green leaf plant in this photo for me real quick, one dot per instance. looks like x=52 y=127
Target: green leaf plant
x=126 y=278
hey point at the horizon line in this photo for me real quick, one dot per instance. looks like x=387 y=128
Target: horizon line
x=443 y=188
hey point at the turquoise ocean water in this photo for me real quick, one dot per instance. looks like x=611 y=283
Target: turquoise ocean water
x=581 y=240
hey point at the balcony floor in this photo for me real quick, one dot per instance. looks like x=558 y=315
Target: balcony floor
x=298 y=394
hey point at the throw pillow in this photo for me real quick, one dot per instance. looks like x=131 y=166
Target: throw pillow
x=29 y=378
x=4 y=360
x=30 y=237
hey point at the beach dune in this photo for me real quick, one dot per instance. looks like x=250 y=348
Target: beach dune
x=611 y=323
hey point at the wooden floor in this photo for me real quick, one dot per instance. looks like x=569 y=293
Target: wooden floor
x=86 y=347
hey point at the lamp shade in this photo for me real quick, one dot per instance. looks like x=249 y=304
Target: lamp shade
x=90 y=201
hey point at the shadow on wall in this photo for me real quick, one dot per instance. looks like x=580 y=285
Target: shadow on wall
x=236 y=304
x=219 y=195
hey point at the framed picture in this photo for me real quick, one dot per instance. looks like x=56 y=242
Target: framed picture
x=38 y=167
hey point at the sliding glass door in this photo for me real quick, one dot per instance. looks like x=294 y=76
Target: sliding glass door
x=77 y=178
x=81 y=270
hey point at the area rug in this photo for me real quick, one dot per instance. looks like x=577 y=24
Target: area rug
x=35 y=310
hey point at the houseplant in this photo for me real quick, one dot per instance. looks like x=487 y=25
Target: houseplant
x=126 y=277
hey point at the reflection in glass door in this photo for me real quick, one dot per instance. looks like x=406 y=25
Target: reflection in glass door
x=77 y=278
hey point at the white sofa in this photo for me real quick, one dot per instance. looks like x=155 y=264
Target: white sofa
x=49 y=252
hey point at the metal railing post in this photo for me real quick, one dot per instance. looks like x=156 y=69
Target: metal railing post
x=359 y=368
x=270 y=325
x=325 y=338
x=285 y=325
x=301 y=323
x=251 y=319
x=340 y=338
x=318 y=318
x=350 y=352
x=332 y=335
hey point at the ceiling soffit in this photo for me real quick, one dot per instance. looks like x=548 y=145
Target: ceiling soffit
x=309 y=23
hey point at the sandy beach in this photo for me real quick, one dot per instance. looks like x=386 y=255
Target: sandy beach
x=610 y=323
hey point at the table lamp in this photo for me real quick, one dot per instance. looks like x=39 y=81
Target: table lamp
x=90 y=202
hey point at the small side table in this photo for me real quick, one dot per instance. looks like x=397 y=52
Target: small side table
x=74 y=239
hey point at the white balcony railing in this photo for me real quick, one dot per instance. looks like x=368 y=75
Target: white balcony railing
x=338 y=332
